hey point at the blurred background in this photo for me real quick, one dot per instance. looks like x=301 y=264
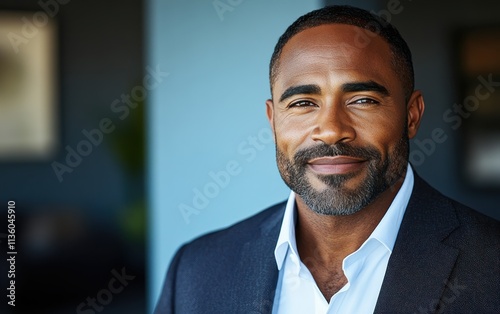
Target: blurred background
x=79 y=192
x=130 y=127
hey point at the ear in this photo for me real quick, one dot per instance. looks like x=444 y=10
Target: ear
x=415 y=111
x=270 y=113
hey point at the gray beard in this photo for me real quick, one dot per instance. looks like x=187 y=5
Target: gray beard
x=337 y=199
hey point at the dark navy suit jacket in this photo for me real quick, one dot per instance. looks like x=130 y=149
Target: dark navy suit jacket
x=446 y=259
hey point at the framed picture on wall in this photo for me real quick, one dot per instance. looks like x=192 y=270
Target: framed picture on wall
x=28 y=78
x=479 y=84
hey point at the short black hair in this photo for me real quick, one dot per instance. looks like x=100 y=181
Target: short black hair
x=344 y=14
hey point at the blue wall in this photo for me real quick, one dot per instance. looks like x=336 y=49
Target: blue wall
x=211 y=149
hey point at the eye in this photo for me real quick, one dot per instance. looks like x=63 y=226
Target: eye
x=364 y=102
x=301 y=103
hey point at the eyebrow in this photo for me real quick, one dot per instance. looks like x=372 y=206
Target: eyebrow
x=365 y=86
x=300 y=89
x=346 y=88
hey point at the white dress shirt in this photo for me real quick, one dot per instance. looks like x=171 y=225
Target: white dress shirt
x=296 y=290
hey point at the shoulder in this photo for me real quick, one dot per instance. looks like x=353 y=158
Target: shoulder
x=219 y=263
x=471 y=223
x=475 y=225
x=265 y=222
x=214 y=256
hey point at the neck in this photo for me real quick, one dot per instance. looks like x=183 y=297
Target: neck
x=329 y=239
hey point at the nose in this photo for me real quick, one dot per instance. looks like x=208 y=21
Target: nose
x=333 y=125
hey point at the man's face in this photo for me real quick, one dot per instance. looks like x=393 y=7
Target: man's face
x=340 y=119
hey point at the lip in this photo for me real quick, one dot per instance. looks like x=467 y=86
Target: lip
x=336 y=165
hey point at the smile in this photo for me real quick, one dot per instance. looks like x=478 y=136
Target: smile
x=336 y=165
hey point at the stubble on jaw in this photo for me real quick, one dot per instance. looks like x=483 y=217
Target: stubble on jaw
x=337 y=199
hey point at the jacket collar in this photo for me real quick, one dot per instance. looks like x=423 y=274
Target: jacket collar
x=421 y=263
x=257 y=269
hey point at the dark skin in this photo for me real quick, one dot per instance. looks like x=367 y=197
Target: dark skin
x=339 y=103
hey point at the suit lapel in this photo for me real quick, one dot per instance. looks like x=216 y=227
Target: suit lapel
x=420 y=264
x=257 y=269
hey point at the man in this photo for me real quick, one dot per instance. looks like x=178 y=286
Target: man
x=360 y=232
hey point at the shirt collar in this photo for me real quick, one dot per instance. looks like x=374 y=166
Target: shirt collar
x=385 y=232
x=286 y=239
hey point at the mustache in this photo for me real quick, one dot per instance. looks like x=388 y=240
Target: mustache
x=341 y=149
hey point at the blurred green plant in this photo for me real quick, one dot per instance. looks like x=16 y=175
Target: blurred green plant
x=128 y=143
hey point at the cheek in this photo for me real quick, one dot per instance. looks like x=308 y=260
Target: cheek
x=285 y=142
x=291 y=135
x=383 y=132
x=293 y=130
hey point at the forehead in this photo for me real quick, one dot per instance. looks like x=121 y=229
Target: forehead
x=335 y=52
